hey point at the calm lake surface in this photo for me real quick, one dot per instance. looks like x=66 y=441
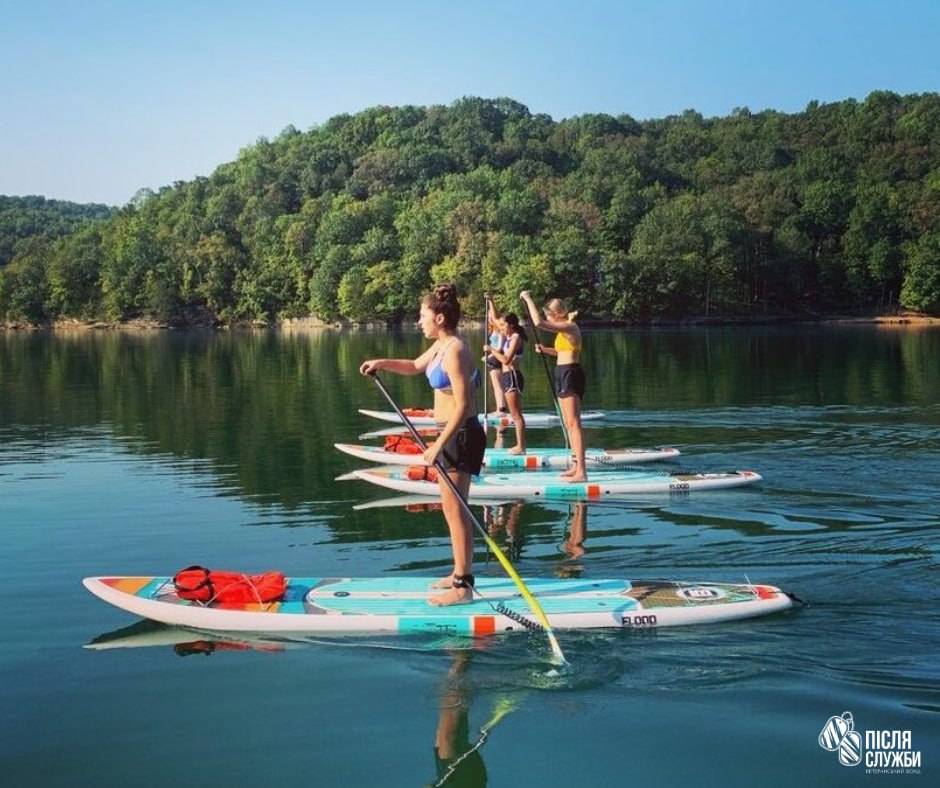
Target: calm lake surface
x=144 y=453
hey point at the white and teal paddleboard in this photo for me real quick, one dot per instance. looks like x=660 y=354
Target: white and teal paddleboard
x=547 y=484
x=422 y=503
x=533 y=459
x=392 y=606
x=424 y=417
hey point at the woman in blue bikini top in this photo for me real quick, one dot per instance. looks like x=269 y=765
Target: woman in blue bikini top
x=449 y=366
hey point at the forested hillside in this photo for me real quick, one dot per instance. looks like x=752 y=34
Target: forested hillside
x=833 y=209
x=26 y=217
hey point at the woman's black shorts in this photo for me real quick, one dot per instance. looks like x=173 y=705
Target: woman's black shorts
x=464 y=451
x=569 y=380
x=513 y=380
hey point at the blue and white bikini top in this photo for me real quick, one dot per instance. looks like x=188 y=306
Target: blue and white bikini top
x=437 y=376
x=507 y=341
x=501 y=342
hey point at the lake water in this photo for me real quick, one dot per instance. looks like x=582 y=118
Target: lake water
x=144 y=453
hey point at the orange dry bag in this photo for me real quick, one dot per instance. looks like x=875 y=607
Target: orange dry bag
x=421 y=473
x=417 y=412
x=202 y=585
x=402 y=445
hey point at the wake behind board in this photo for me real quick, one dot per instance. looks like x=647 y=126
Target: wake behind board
x=533 y=459
x=547 y=484
x=395 y=606
x=424 y=417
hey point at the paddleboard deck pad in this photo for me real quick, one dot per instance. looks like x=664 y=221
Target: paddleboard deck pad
x=547 y=484
x=395 y=606
x=424 y=417
x=533 y=459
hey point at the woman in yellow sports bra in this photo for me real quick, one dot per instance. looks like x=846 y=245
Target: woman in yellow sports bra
x=569 y=375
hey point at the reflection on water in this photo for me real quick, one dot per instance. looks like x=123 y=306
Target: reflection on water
x=143 y=453
x=573 y=545
x=502 y=520
x=457 y=759
x=263 y=409
x=183 y=642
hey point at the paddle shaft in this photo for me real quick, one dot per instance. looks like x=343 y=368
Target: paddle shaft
x=551 y=381
x=500 y=556
x=486 y=354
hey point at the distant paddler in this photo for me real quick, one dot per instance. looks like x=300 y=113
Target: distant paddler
x=512 y=381
x=569 y=382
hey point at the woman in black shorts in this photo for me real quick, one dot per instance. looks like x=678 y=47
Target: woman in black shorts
x=513 y=381
x=449 y=366
x=494 y=324
x=569 y=375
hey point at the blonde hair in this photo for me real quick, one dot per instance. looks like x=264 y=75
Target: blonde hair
x=558 y=307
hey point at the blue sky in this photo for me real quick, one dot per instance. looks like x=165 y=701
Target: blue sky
x=99 y=98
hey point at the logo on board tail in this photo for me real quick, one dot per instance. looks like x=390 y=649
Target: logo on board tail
x=700 y=593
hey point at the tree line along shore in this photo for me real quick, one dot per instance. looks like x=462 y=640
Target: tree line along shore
x=833 y=212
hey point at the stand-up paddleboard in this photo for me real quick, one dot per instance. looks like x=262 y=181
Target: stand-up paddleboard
x=433 y=432
x=424 y=417
x=401 y=429
x=423 y=503
x=533 y=459
x=421 y=480
x=426 y=503
x=393 y=606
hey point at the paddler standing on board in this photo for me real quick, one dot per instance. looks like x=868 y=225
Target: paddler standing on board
x=569 y=375
x=449 y=366
x=512 y=382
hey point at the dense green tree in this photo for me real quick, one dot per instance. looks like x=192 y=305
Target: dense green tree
x=24 y=291
x=921 y=289
x=72 y=270
x=873 y=245
x=686 y=257
x=28 y=217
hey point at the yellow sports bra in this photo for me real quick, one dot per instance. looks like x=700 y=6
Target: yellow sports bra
x=563 y=343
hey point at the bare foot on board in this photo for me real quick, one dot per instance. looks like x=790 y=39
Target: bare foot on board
x=453 y=596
